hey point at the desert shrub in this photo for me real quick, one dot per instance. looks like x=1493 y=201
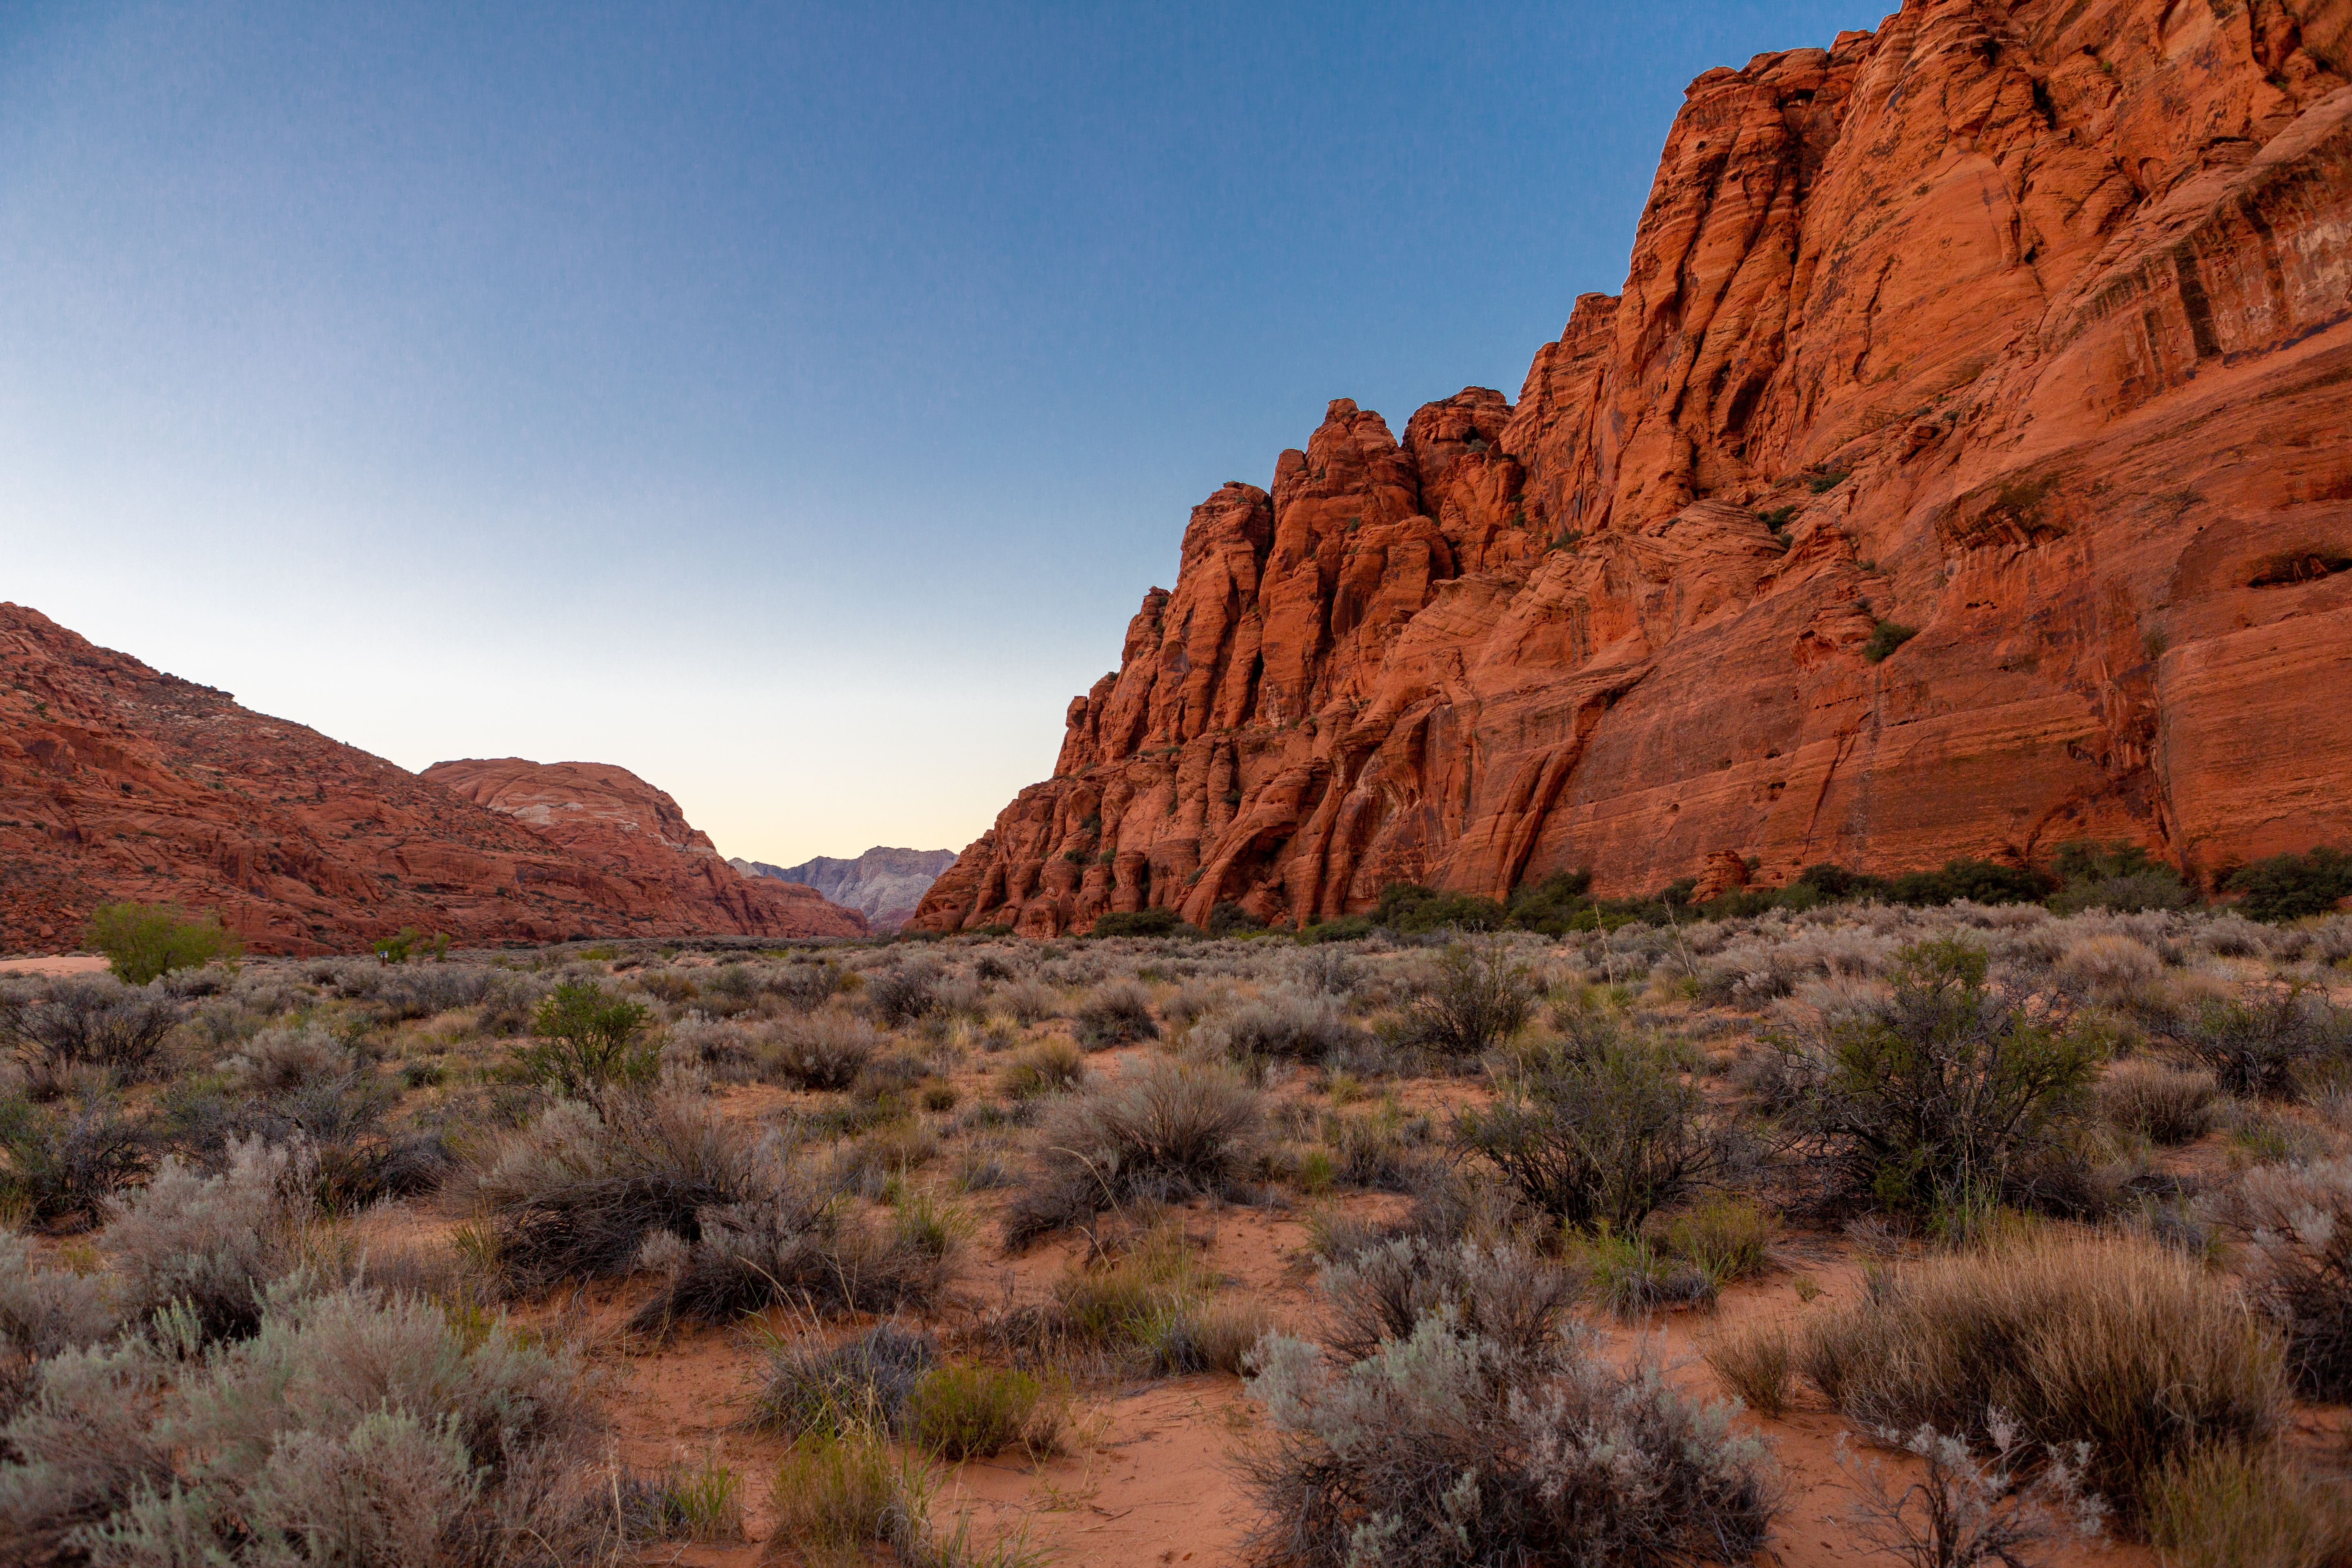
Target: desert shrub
x=2298 y=1222
x=1970 y=1511
x=1478 y=997
x=1631 y=1280
x=1757 y=1362
x=288 y=1057
x=794 y=1247
x=47 y=1312
x=62 y=1162
x=837 y=1499
x=1408 y=907
x=1326 y=972
x=704 y=1050
x=1029 y=1001
x=866 y=1382
x=573 y=1197
x=2237 y=1507
x=421 y=990
x=588 y=1041
x=1140 y=923
x=899 y=993
x=2289 y=887
x=803 y=984
x=825 y=1050
x=1502 y=1292
x=1597 y=1134
x=2121 y=876
x=2111 y=1341
x=973 y=1412
x=143 y=940
x=210 y=1245
x=2263 y=1046
x=1161 y=1130
x=1195 y=1000
x=1281 y=1025
x=1376 y=1148
x=2162 y=1104
x=1117 y=1014
x=1943 y=1088
x=1725 y=1236
x=89 y=1020
x=348 y=1429
x=700 y=1504
x=1049 y=1066
x=2110 y=967
x=340 y=1118
x=1446 y=1446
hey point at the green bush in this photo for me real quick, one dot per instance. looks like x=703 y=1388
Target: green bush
x=143 y=940
x=588 y=1041
x=972 y=1412
x=2263 y=1045
x=1884 y=638
x=1598 y=1132
x=1408 y=907
x=1942 y=1090
x=2120 y=875
x=2288 y=887
x=1480 y=997
x=1141 y=922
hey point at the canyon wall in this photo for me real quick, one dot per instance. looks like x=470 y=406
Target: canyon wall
x=2024 y=327
x=118 y=781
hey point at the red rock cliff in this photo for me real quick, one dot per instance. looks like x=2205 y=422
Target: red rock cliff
x=2033 y=325
x=120 y=781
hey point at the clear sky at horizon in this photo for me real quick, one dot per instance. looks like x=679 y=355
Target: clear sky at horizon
x=788 y=403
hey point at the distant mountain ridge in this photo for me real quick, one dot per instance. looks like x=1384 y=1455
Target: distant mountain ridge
x=883 y=884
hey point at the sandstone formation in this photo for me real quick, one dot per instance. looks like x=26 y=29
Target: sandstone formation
x=2020 y=324
x=120 y=781
x=615 y=821
x=885 y=885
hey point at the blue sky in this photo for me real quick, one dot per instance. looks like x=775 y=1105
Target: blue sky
x=789 y=402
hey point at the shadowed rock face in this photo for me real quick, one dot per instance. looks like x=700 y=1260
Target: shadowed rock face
x=2027 y=324
x=885 y=885
x=120 y=781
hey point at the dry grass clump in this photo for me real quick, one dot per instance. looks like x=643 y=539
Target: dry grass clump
x=1028 y=1001
x=976 y=1411
x=1049 y=1066
x=794 y=1247
x=864 y=1382
x=2108 y=967
x=1278 y=1025
x=1444 y=1447
x=819 y=1050
x=575 y=1197
x=1757 y=1362
x=2231 y=1507
x=2106 y=1340
x=1116 y=1014
x=1501 y=1292
x=2161 y=1104
x=349 y=1428
x=1161 y=1130
x=2298 y=1220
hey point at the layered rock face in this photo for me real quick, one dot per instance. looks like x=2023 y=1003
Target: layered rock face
x=2025 y=326
x=615 y=821
x=885 y=885
x=118 y=782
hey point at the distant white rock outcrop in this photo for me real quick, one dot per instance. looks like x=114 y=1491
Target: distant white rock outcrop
x=883 y=884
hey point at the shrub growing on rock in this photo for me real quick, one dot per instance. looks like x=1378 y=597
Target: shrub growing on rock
x=2288 y=887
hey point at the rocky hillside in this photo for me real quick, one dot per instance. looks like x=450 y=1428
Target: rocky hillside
x=884 y=884
x=1963 y=468
x=120 y=781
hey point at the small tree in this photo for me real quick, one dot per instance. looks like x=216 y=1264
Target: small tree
x=587 y=1041
x=143 y=940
